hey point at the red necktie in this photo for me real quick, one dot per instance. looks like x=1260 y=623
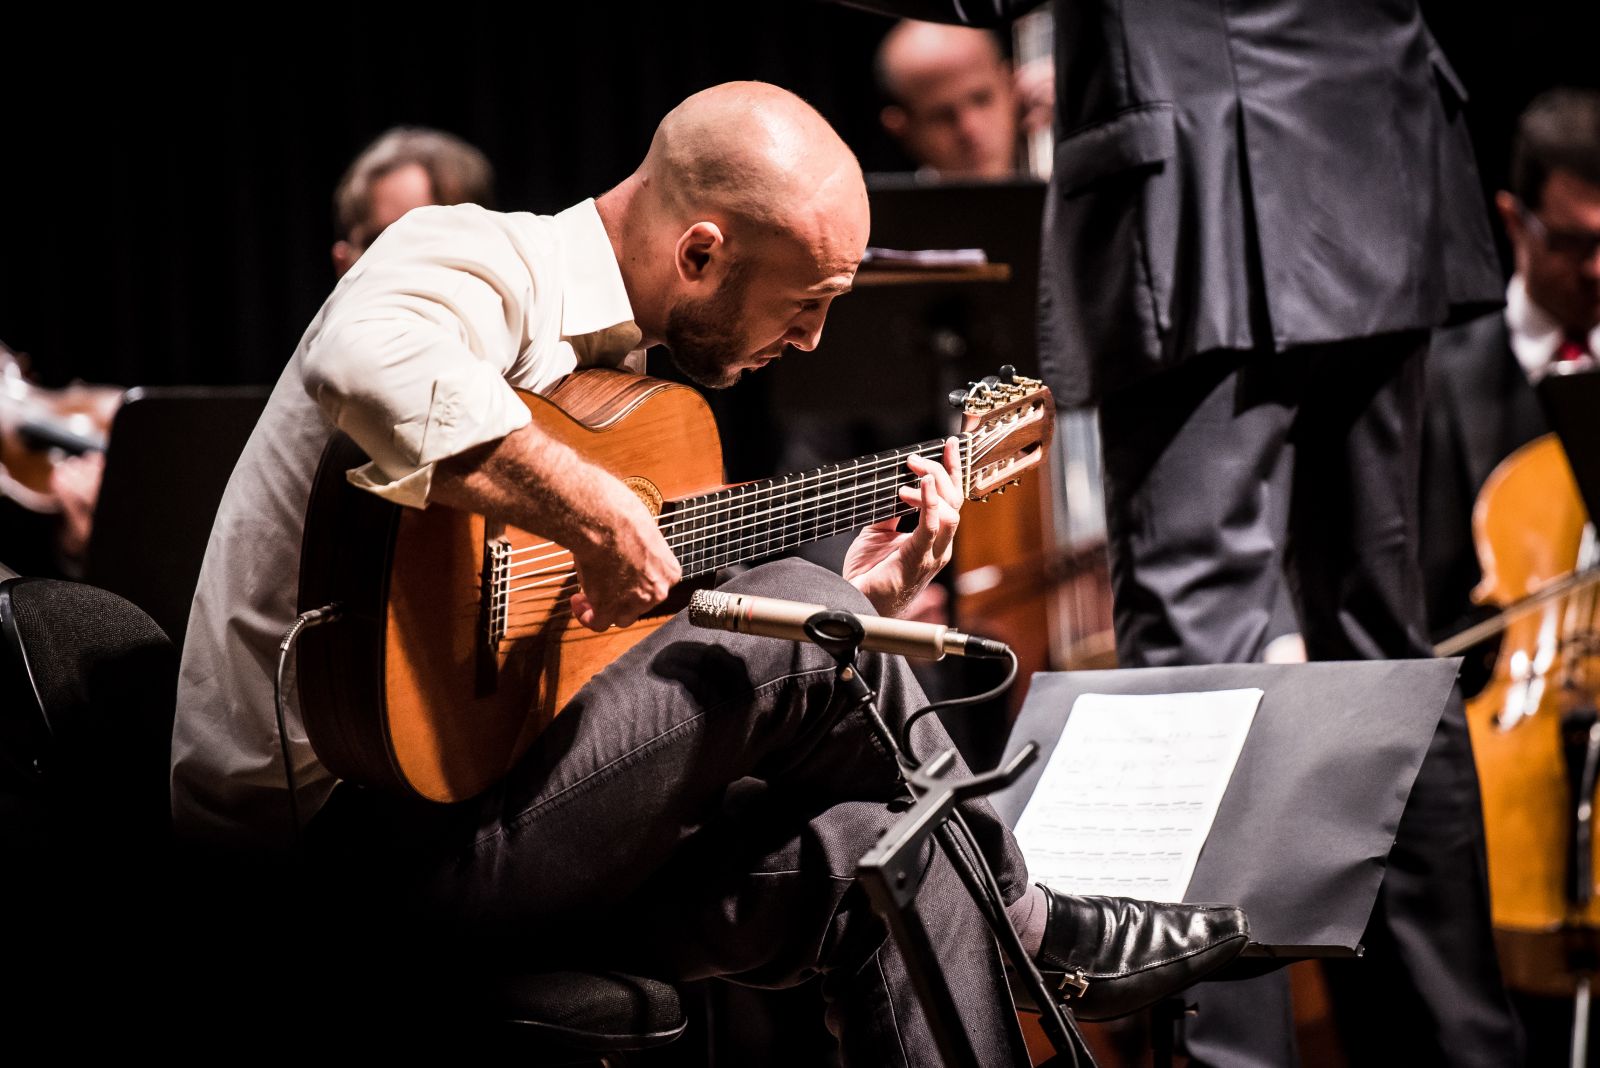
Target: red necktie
x=1572 y=348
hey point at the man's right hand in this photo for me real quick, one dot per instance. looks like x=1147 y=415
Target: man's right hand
x=628 y=569
x=535 y=482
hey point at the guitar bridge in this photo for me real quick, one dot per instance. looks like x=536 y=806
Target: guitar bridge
x=497 y=590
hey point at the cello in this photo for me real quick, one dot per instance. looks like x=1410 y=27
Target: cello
x=1534 y=728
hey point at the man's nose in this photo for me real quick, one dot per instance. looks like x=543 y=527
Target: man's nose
x=806 y=330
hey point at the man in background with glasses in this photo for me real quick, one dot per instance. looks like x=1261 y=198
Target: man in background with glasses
x=405 y=167
x=1481 y=406
x=1552 y=215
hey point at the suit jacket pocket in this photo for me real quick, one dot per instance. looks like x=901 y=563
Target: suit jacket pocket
x=1141 y=136
x=1111 y=232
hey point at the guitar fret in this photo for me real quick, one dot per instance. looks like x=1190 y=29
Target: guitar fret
x=761 y=519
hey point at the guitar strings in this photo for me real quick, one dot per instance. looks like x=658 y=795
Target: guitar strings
x=695 y=509
x=777 y=491
x=733 y=506
x=554 y=590
x=821 y=508
x=686 y=549
x=854 y=520
x=735 y=550
x=733 y=502
x=740 y=505
x=711 y=523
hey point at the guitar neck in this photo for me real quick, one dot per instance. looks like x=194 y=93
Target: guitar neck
x=759 y=519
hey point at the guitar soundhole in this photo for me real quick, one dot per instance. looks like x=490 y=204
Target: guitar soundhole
x=646 y=491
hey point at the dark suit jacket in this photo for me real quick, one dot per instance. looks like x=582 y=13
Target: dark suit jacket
x=1480 y=409
x=1260 y=173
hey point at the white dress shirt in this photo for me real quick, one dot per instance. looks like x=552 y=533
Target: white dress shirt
x=1535 y=333
x=414 y=356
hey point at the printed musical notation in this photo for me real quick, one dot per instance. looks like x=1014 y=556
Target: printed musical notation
x=1128 y=797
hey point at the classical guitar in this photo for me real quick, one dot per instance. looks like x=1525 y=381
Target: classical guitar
x=457 y=645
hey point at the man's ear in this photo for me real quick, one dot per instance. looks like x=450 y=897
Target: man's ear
x=895 y=120
x=697 y=247
x=1510 y=215
x=344 y=257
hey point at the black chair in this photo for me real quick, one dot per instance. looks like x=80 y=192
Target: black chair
x=86 y=686
x=97 y=903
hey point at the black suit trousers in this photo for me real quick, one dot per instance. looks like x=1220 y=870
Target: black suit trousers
x=697 y=811
x=1199 y=548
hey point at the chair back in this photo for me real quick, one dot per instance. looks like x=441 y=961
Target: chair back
x=87 y=688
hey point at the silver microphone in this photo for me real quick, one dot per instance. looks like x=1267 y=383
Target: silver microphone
x=775 y=618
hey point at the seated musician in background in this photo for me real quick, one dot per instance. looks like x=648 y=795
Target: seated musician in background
x=958 y=110
x=47 y=496
x=746 y=219
x=1481 y=405
x=955 y=105
x=405 y=167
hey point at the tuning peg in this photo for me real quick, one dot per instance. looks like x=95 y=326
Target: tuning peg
x=958 y=399
x=1008 y=373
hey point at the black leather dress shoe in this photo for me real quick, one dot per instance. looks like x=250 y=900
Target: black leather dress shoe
x=1110 y=956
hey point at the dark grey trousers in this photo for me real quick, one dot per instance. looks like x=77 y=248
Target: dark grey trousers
x=1199 y=548
x=698 y=810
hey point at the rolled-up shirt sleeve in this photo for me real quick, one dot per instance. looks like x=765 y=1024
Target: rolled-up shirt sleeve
x=410 y=359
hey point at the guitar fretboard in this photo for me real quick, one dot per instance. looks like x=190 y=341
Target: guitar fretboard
x=759 y=519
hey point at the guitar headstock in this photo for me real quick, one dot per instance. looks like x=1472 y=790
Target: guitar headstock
x=1007 y=420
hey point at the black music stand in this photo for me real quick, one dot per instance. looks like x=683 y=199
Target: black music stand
x=1304 y=830
x=168 y=458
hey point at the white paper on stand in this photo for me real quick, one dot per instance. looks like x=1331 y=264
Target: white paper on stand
x=1130 y=792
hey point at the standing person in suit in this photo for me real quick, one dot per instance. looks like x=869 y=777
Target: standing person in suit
x=1258 y=211
x=1481 y=404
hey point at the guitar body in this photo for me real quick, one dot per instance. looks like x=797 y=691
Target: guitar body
x=456 y=646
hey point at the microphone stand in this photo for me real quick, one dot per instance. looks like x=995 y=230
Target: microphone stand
x=892 y=870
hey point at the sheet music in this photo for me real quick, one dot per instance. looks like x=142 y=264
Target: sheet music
x=1130 y=792
x=924 y=257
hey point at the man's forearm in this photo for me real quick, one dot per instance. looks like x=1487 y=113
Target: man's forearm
x=532 y=481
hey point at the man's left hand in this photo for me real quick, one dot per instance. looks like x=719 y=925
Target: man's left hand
x=891 y=568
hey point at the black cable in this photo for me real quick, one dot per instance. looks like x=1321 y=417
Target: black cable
x=314 y=618
x=1007 y=935
x=954 y=702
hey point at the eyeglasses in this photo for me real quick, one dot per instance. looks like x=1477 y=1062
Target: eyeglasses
x=1576 y=244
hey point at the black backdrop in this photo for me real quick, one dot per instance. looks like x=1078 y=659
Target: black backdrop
x=165 y=185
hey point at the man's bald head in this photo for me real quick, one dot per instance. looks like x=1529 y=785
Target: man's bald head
x=757 y=154
x=953 y=104
x=746 y=218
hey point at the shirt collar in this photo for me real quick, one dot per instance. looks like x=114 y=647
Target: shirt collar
x=1535 y=333
x=595 y=314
